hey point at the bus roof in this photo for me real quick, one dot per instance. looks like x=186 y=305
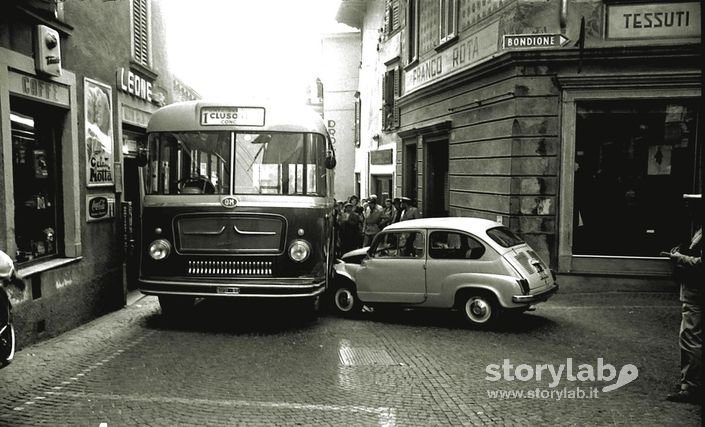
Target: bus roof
x=187 y=117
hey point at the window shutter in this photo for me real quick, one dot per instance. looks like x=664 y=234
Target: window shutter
x=395 y=15
x=397 y=92
x=140 y=31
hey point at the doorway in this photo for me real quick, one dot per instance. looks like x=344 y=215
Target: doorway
x=410 y=177
x=436 y=197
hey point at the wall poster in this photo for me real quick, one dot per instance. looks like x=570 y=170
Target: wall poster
x=98 y=105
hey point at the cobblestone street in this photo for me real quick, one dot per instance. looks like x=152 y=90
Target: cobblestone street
x=235 y=365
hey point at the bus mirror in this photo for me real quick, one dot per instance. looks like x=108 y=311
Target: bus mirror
x=330 y=160
x=142 y=157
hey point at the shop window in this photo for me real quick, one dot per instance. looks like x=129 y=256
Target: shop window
x=141 y=32
x=391 y=91
x=448 y=20
x=412 y=31
x=633 y=162
x=34 y=173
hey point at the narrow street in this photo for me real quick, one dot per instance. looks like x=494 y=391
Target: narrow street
x=233 y=364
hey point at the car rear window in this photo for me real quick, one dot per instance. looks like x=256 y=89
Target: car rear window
x=504 y=237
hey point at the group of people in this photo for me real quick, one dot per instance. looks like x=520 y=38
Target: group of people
x=359 y=222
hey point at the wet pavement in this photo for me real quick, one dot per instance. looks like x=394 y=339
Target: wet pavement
x=236 y=364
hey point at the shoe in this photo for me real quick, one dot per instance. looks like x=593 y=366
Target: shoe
x=684 y=396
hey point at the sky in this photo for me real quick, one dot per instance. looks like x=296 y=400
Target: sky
x=244 y=48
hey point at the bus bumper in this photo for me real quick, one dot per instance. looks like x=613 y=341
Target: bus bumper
x=282 y=288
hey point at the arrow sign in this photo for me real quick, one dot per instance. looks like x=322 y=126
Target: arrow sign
x=533 y=41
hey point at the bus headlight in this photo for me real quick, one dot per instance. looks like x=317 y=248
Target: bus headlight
x=159 y=249
x=299 y=250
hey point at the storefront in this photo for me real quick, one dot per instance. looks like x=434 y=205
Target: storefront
x=137 y=99
x=41 y=225
x=585 y=148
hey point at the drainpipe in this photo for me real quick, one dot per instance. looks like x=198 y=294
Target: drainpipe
x=564 y=15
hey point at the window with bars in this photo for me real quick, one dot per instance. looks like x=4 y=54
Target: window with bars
x=140 y=32
x=391 y=90
x=448 y=19
x=392 y=17
x=412 y=30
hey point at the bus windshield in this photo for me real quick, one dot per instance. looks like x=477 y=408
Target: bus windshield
x=283 y=163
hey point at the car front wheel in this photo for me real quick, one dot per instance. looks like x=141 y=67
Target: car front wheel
x=345 y=300
x=479 y=309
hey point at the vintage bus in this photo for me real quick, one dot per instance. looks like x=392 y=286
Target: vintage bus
x=238 y=203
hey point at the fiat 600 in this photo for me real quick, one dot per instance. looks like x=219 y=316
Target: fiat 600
x=475 y=266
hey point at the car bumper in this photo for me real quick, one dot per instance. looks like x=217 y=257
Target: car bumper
x=535 y=298
x=277 y=289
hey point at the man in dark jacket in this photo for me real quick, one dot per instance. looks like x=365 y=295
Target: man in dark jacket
x=688 y=270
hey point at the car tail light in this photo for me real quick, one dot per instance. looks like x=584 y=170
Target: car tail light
x=524 y=285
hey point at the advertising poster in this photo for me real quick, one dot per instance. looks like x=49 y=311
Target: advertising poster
x=98 y=101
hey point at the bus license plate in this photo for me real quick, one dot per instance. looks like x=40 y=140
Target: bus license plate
x=228 y=290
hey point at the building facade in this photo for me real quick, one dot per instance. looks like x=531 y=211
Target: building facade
x=341 y=104
x=574 y=123
x=78 y=82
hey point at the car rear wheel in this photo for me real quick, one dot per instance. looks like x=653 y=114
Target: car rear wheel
x=345 y=300
x=479 y=309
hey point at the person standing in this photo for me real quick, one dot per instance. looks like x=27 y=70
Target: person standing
x=372 y=216
x=389 y=212
x=688 y=271
x=397 y=210
x=349 y=229
x=408 y=210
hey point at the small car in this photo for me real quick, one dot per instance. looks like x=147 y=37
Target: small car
x=473 y=265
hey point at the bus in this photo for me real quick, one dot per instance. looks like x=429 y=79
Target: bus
x=238 y=203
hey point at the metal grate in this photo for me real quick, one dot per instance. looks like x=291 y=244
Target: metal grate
x=362 y=356
x=230 y=268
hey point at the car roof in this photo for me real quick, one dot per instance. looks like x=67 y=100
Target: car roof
x=456 y=223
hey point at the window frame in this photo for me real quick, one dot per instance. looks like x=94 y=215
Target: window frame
x=391 y=91
x=466 y=235
x=412 y=31
x=372 y=253
x=447 y=18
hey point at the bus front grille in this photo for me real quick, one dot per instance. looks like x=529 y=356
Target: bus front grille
x=229 y=268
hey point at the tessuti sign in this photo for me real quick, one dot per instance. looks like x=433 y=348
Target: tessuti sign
x=533 y=41
x=653 y=20
x=232 y=116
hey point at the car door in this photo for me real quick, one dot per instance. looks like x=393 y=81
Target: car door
x=452 y=253
x=394 y=270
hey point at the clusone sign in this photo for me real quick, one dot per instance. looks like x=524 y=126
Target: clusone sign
x=131 y=83
x=465 y=54
x=654 y=20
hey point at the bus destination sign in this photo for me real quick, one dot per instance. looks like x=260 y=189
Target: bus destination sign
x=232 y=116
